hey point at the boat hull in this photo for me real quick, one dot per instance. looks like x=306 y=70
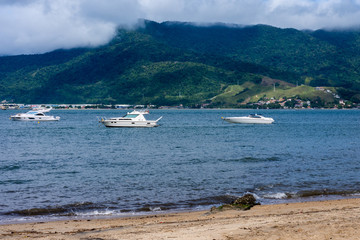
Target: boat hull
x=129 y=124
x=246 y=120
x=29 y=119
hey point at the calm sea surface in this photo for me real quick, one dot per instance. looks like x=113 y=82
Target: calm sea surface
x=78 y=168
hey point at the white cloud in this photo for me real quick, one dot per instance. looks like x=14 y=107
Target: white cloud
x=313 y=14
x=114 y=11
x=36 y=26
x=47 y=25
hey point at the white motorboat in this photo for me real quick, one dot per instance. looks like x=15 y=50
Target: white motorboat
x=34 y=115
x=252 y=118
x=131 y=119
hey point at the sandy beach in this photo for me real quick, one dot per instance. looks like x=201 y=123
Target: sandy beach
x=333 y=219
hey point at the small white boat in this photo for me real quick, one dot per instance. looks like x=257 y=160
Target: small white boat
x=34 y=115
x=131 y=119
x=252 y=118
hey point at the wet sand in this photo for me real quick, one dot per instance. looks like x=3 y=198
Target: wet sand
x=334 y=219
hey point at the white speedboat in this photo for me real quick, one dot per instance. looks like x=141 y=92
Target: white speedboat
x=252 y=118
x=34 y=115
x=131 y=119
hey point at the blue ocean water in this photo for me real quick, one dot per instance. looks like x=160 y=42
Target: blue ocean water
x=78 y=168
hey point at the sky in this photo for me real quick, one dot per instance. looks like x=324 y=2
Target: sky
x=38 y=26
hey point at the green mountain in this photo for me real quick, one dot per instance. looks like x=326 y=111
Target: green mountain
x=181 y=63
x=328 y=57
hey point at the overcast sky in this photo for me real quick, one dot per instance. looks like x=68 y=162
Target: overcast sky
x=38 y=26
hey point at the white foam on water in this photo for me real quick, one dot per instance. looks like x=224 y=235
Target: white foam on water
x=276 y=195
x=156 y=209
x=97 y=213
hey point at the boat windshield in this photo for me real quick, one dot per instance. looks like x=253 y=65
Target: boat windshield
x=131 y=115
x=32 y=112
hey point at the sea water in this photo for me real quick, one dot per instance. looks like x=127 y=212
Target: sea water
x=78 y=168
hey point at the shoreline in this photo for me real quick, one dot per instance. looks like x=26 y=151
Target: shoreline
x=329 y=219
x=78 y=216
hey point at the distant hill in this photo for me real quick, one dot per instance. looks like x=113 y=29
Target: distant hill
x=174 y=63
x=329 y=57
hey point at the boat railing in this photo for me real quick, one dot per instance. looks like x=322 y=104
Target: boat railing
x=141 y=111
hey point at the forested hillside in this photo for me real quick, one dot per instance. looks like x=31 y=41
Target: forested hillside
x=180 y=63
x=328 y=57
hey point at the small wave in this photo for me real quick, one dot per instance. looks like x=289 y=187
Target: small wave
x=66 y=210
x=212 y=200
x=9 y=168
x=279 y=195
x=326 y=192
x=98 y=213
x=269 y=187
x=193 y=161
x=15 y=181
x=67 y=128
x=186 y=204
x=253 y=159
x=310 y=194
x=66 y=172
x=152 y=209
x=37 y=211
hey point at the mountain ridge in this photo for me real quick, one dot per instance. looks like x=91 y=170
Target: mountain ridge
x=180 y=63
